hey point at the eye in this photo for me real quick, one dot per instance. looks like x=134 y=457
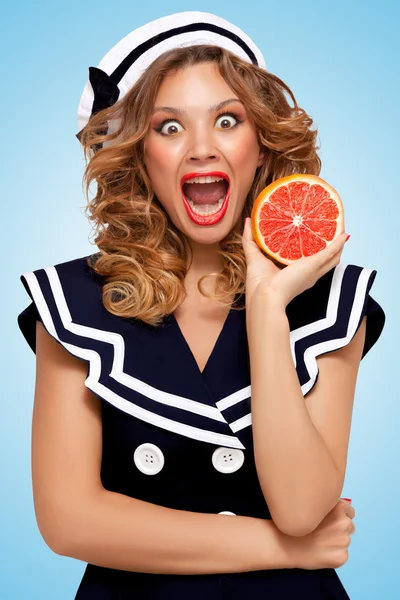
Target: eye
x=228 y=121
x=169 y=127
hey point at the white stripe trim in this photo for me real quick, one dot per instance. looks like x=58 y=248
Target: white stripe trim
x=331 y=312
x=117 y=373
x=92 y=380
x=179 y=402
x=234 y=398
x=297 y=334
x=311 y=352
x=241 y=423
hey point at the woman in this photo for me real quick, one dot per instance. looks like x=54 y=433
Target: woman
x=144 y=438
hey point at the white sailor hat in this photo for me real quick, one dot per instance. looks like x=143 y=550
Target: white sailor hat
x=122 y=66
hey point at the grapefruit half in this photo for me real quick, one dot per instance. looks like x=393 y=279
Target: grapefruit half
x=296 y=216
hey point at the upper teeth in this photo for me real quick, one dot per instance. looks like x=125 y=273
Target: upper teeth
x=206 y=179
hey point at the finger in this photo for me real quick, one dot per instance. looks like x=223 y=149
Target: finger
x=324 y=260
x=245 y=234
x=351 y=527
x=330 y=256
x=345 y=501
x=332 y=262
x=334 y=248
x=249 y=245
x=349 y=510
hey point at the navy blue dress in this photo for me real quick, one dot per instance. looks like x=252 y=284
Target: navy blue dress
x=180 y=437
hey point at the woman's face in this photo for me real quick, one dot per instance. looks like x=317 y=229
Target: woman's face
x=200 y=128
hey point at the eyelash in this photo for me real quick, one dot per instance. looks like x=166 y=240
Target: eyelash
x=224 y=114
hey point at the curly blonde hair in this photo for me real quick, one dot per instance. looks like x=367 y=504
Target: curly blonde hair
x=143 y=258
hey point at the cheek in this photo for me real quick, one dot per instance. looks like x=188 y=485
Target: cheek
x=162 y=155
x=159 y=163
x=246 y=152
x=154 y=156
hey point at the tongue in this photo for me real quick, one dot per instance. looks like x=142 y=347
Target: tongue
x=205 y=193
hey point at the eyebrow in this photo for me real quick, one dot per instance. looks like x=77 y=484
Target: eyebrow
x=181 y=111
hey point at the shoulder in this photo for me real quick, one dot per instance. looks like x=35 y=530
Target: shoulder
x=61 y=294
x=327 y=316
x=76 y=272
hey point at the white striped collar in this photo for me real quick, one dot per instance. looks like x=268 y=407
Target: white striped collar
x=226 y=420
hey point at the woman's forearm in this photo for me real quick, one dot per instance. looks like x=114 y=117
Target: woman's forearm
x=298 y=477
x=120 y=532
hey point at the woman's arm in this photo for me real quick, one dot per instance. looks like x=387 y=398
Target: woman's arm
x=113 y=530
x=300 y=445
x=77 y=517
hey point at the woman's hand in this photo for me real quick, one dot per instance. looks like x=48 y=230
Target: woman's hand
x=327 y=546
x=285 y=283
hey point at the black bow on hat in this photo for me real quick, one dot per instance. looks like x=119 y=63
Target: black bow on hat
x=106 y=91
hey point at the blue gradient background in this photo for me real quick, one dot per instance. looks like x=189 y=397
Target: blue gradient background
x=342 y=62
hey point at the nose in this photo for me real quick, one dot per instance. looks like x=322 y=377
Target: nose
x=202 y=147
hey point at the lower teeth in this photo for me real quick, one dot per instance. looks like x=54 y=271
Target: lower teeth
x=206 y=209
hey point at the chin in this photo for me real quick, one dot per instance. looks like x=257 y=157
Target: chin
x=208 y=235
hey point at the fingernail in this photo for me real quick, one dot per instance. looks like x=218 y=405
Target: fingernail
x=348 y=499
x=348 y=237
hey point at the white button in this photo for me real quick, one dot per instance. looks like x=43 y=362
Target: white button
x=227 y=460
x=149 y=459
x=226 y=512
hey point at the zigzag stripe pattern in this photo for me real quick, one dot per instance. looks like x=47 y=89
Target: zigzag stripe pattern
x=181 y=415
x=345 y=309
x=105 y=350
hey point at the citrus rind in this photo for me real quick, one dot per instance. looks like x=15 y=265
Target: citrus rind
x=264 y=197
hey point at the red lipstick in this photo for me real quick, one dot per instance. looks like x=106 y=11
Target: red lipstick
x=206 y=219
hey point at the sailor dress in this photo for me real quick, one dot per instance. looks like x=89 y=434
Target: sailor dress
x=180 y=437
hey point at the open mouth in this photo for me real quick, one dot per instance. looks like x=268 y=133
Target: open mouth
x=205 y=193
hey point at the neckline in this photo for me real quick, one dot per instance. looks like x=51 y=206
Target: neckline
x=215 y=347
